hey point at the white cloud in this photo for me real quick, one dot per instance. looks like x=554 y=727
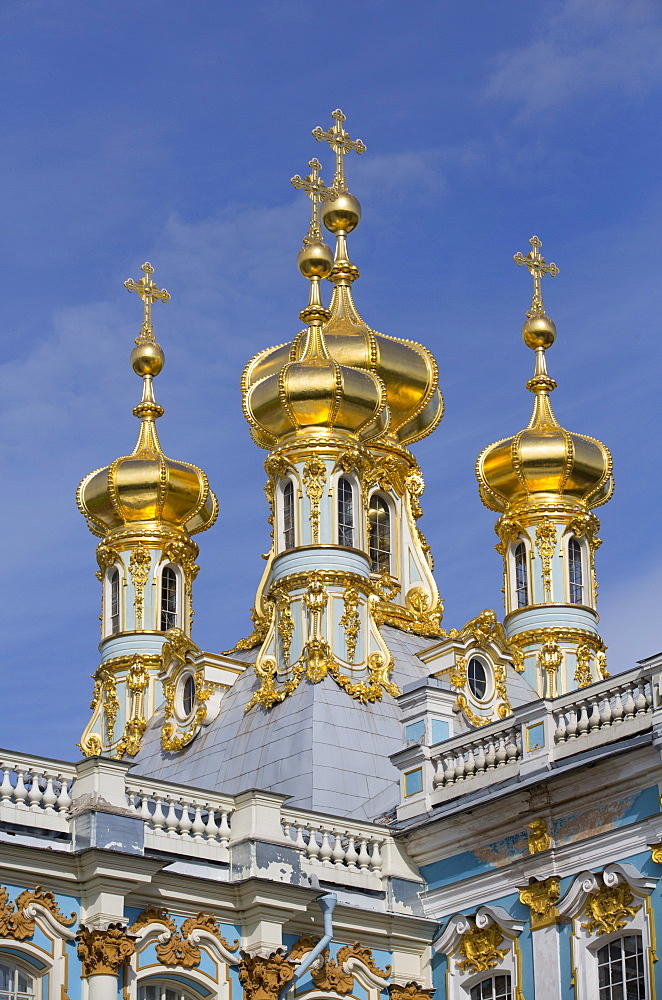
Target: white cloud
x=583 y=47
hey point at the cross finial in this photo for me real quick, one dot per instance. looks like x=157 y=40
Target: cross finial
x=537 y=266
x=316 y=190
x=340 y=142
x=149 y=293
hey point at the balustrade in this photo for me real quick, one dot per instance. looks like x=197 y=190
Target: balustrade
x=603 y=709
x=478 y=755
x=40 y=787
x=335 y=845
x=172 y=812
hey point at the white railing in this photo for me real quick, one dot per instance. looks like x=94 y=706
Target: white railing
x=468 y=759
x=335 y=844
x=603 y=709
x=178 y=820
x=35 y=792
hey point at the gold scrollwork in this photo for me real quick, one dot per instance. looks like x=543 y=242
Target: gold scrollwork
x=178 y=948
x=410 y=991
x=541 y=898
x=263 y=978
x=177 y=649
x=13 y=920
x=583 y=672
x=610 y=909
x=314 y=480
x=284 y=620
x=365 y=956
x=350 y=620
x=107 y=556
x=103 y=952
x=458 y=676
x=546 y=538
x=139 y=568
x=479 y=949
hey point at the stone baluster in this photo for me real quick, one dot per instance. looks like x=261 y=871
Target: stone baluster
x=594 y=721
x=629 y=706
x=20 y=791
x=351 y=854
x=224 y=828
x=449 y=770
x=364 y=857
x=198 y=827
x=617 y=710
x=158 y=816
x=6 y=788
x=325 y=849
x=481 y=760
x=606 y=715
x=312 y=849
x=338 y=852
x=376 y=855
x=561 y=732
x=490 y=756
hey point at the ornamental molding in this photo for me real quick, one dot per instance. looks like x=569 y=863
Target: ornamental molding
x=338 y=975
x=263 y=978
x=139 y=565
x=541 y=898
x=182 y=947
x=103 y=952
x=475 y=942
x=410 y=991
x=605 y=900
x=17 y=920
x=179 y=653
x=546 y=538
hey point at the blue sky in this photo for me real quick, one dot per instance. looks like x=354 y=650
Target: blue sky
x=168 y=132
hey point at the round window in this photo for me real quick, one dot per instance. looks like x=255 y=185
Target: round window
x=188 y=695
x=477 y=678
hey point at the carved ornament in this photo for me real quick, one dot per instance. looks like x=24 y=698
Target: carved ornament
x=411 y=991
x=17 y=920
x=107 y=556
x=264 y=978
x=179 y=948
x=610 y=909
x=363 y=955
x=538 y=837
x=139 y=569
x=546 y=538
x=541 y=897
x=103 y=952
x=583 y=672
x=479 y=949
x=177 y=651
x=331 y=977
x=314 y=480
x=350 y=620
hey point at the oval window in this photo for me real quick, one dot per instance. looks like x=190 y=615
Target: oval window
x=477 y=678
x=188 y=695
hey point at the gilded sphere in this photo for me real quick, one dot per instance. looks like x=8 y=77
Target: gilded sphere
x=341 y=214
x=315 y=259
x=147 y=358
x=539 y=331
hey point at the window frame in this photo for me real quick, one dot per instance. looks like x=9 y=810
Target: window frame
x=386 y=501
x=488 y=694
x=491 y=978
x=179 y=591
x=283 y=530
x=584 y=585
x=514 y=590
x=354 y=528
x=113 y=572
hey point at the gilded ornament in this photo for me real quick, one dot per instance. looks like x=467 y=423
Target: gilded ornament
x=550 y=655
x=350 y=620
x=302 y=946
x=484 y=628
x=479 y=949
x=541 y=898
x=178 y=948
x=265 y=978
x=139 y=568
x=103 y=952
x=341 y=144
x=107 y=556
x=656 y=853
x=546 y=538
x=461 y=705
x=153 y=915
x=266 y=695
x=610 y=909
x=363 y=955
x=331 y=977
x=17 y=919
x=411 y=991
x=583 y=672
x=601 y=664
x=458 y=676
x=257 y=636
x=284 y=620
x=316 y=190
x=314 y=479
x=538 y=837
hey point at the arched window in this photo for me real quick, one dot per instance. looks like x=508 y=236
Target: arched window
x=188 y=695
x=288 y=515
x=621 y=969
x=164 y=991
x=168 y=598
x=494 y=988
x=114 y=595
x=477 y=678
x=575 y=574
x=345 y=512
x=521 y=575
x=14 y=983
x=379 y=519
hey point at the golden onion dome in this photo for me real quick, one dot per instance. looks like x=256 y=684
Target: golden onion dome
x=146 y=487
x=407 y=370
x=310 y=391
x=543 y=463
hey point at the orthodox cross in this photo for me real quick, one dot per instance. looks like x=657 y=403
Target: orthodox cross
x=537 y=266
x=340 y=142
x=316 y=190
x=149 y=293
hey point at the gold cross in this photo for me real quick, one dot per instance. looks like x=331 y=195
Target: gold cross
x=537 y=266
x=316 y=190
x=340 y=142
x=149 y=293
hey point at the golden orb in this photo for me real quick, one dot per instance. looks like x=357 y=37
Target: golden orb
x=147 y=358
x=341 y=214
x=539 y=331
x=315 y=259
